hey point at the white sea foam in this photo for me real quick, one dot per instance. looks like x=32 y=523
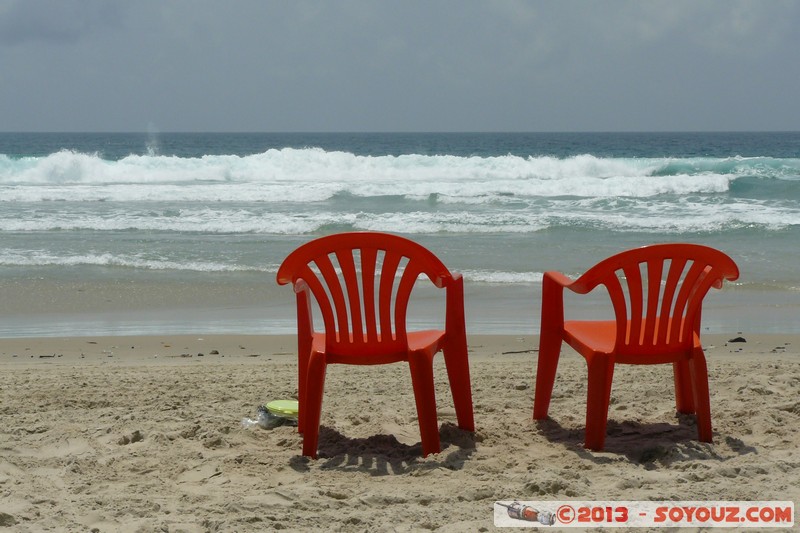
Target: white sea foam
x=633 y=214
x=500 y=277
x=312 y=175
x=20 y=258
x=111 y=207
x=17 y=258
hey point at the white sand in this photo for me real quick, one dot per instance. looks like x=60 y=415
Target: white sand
x=143 y=434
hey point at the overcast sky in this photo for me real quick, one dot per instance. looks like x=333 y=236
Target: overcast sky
x=405 y=65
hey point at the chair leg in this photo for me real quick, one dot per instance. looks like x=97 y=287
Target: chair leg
x=457 y=363
x=302 y=379
x=684 y=395
x=549 y=352
x=601 y=374
x=315 y=385
x=702 y=401
x=425 y=397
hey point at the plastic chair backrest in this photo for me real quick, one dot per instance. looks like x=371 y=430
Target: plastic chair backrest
x=362 y=283
x=657 y=293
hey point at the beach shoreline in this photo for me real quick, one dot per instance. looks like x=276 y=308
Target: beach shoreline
x=142 y=433
x=122 y=349
x=255 y=305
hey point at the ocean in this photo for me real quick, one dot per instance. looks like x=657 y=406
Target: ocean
x=196 y=224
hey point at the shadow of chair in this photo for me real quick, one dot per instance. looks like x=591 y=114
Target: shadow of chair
x=656 y=293
x=361 y=283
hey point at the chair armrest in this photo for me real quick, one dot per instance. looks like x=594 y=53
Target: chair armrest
x=444 y=279
x=300 y=286
x=553 y=285
x=455 y=321
x=582 y=285
x=305 y=319
x=558 y=278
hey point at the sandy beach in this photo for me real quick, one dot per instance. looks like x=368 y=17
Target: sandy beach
x=145 y=434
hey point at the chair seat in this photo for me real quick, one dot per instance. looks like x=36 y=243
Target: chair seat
x=593 y=336
x=427 y=341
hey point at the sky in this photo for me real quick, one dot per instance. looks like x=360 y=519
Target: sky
x=404 y=65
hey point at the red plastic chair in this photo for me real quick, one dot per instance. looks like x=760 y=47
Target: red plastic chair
x=362 y=283
x=657 y=293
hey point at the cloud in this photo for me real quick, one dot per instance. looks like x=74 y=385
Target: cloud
x=312 y=65
x=55 y=21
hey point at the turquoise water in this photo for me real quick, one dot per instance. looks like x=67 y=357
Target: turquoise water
x=500 y=208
